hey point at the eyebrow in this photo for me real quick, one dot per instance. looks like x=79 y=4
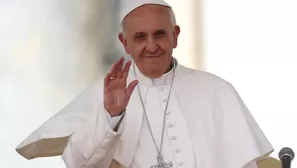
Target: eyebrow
x=160 y=31
x=138 y=34
x=157 y=32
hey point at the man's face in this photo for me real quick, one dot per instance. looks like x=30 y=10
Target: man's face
x=149 y=37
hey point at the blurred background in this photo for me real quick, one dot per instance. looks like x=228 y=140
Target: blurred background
x=50 y=51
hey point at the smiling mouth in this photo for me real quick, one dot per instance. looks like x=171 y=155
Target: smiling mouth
x=153 y=56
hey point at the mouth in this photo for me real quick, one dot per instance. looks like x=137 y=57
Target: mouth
x=152 y=56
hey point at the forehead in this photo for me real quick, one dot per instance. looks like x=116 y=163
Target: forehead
x=148 y=17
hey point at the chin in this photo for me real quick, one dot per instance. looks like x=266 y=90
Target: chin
x=155 y=71
x=154 y=67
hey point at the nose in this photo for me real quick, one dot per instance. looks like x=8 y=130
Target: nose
x=151 y=44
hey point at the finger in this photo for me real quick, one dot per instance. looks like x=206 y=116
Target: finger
x=131 y=87
x=115 y=66
x=120 y=67
x=113 y=71
x=126 y=70
x=107 y=78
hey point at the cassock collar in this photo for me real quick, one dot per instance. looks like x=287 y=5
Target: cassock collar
x=165 y=79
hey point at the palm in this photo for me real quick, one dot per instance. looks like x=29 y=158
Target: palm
x=116 y=92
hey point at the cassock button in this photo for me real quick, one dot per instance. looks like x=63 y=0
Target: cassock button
x=180 y=163
x=164 y=100
x=173 y=138
x=170 y=125
x=168 y=112
x=177 y=150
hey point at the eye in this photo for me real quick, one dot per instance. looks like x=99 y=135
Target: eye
x=139 y=36
x=160 y=33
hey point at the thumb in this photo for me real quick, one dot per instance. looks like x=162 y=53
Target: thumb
x=131 y=87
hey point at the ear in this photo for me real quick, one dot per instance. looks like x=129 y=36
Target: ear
x=176 y=31
x=123 y=40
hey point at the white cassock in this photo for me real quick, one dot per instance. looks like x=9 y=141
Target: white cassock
x=207 y=126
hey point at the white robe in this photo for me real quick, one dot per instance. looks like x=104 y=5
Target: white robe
x=207 y=126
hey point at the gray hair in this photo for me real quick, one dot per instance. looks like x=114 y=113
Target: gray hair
x=171 y=17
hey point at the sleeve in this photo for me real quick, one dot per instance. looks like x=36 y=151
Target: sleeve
x=94 y=144
x=112 y=121
x=241 y=139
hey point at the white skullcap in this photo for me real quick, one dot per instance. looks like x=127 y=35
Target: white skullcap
x=128 y=6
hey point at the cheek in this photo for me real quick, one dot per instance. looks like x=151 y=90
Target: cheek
x=166 y=45
x=136 y=50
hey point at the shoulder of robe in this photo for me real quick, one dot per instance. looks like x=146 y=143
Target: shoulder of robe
x=210 y=89
x=231 y=124
x=203 y=77
x=223 y=93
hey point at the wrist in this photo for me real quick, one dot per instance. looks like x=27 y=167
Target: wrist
x=115 y=114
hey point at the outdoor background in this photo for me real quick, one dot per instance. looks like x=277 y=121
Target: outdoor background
x=51 y=50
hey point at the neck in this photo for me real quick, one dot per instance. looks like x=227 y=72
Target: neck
x=169 y=68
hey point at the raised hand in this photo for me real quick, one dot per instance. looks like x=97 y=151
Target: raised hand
x=116 y=92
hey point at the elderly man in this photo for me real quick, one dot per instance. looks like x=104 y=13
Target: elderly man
x=156 y=113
